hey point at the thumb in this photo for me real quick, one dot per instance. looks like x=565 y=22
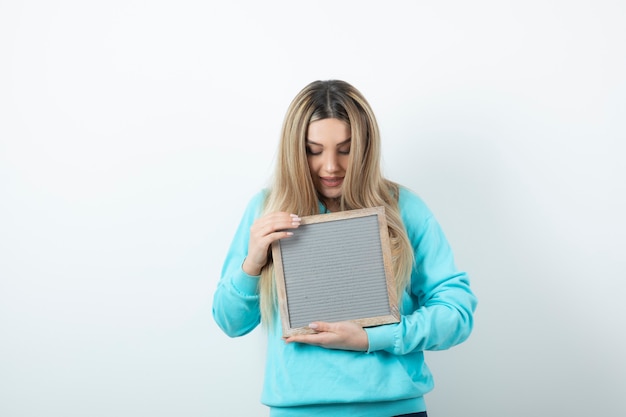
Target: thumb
x=319 y=326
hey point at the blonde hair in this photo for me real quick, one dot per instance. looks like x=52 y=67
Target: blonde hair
x=364 y=186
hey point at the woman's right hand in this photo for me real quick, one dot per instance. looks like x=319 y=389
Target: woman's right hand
x=265 y=230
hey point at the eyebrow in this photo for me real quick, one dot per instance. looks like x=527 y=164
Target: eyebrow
x=319 y=144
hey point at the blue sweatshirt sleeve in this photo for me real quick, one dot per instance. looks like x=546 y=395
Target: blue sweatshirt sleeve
x=438 y=306
x=236 y=299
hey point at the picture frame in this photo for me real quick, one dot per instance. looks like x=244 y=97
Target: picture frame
x=336 y=267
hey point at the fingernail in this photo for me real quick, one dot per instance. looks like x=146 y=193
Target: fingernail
x=313 y=326
x=295 y=217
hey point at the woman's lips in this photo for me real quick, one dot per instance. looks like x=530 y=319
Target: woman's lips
x=331 y=181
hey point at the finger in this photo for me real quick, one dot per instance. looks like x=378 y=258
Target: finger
x=320 y=326
x=273 y=237
x=263 y=231
x=284 y=221
x=320 y=336
x=317 y=339
x=274 y=223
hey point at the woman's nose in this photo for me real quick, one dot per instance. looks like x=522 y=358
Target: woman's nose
x=330 y=163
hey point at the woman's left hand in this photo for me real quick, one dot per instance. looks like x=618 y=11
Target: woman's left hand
x=344 y=335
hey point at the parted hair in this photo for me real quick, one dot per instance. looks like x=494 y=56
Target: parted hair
x=292 y=188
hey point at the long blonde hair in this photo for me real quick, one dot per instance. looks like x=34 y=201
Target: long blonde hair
x=364 y=186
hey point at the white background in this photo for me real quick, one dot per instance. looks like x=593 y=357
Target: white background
x=133 y=133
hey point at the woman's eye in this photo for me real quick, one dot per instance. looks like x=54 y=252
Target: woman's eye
x=344 y=151
x=309 y=151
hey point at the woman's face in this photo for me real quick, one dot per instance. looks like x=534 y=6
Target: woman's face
x=328 y=151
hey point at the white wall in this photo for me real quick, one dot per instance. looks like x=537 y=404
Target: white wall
x=132 y=134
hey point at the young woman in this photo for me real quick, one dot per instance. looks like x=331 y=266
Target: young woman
x=328 y=161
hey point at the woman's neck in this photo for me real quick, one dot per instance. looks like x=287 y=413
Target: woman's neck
x=332 y=204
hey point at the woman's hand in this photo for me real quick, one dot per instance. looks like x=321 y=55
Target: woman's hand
x=344 y=335
x=264 y=231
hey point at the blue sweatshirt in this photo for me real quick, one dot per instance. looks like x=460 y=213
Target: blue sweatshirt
x=389 y=379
